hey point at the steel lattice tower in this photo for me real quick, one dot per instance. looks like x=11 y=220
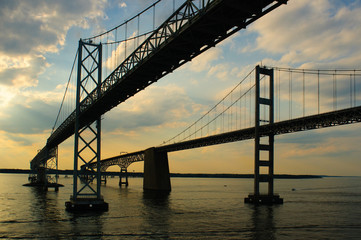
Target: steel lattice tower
x=87 y=140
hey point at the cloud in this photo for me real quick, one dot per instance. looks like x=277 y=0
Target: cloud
x=221 y=71
x=22 y=71
x=32 y=28
x=152 y=108
x=310 y=31
x=203 y=62
x=42 y=25
x=28 y=111
x=122 y=5
x=28 y=120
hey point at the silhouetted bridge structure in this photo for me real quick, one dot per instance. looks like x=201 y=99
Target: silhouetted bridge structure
x=137 y=53
x=266 y=128
x=330 y=119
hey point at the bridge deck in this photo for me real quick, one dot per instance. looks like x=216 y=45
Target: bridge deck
x=330 y=119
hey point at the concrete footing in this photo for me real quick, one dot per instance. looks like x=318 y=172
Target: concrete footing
x=44 y=186
x=156 y=171
x=86 y=204
x=263 y=199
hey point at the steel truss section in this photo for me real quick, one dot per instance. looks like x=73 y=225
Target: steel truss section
x=44 y=174
x=87 y=140
x=52 y=165
x=123 y=161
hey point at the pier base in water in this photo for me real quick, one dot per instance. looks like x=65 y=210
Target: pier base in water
x=156 y=171
x=263 y=199
x=86 y=204
x=44 y=186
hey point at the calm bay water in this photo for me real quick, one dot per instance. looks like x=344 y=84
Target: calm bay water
x=327 y=208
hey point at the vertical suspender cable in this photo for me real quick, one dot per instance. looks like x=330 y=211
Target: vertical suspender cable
x=351 y=90
x=223 y=117
x=334 y=91
x=279 y=95
x=231 y=118
x=138 y=30
x=112 y=56
x=116 y=46
x=354 y=88
x=336 y=87
x=304 y=103
x=66 y=90
x=125 y=41
x=240 y=107
x=106 y=57
x=289 y=94
x=153 y=17
x=318 y=91
x=250 y=105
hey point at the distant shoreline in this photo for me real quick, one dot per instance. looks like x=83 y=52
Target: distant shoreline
x=174 y=175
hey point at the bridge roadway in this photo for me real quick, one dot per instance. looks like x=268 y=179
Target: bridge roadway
x=318 y=121
x=188 y=32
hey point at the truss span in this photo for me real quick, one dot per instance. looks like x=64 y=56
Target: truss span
x=123 y=161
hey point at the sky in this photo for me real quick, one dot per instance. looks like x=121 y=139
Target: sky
x=39 y=38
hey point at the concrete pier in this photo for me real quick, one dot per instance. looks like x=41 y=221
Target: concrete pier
x=263 y=199
x=86 y=204
x=156 y=171
x=123 y=173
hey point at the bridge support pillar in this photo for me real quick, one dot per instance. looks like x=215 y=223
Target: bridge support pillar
x=43 y=178
x=156 y=171
x=123 y=173
x=103 y=179
x=264 y=144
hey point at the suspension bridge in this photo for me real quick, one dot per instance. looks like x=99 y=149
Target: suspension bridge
x=298 y=99
x=113 y=66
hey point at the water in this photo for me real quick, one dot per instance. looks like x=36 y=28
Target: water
x=328 y=208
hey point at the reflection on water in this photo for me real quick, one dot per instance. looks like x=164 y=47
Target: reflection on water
x=263 y=222
x=44 y=205
x=157 y=213
x=195 y=209
x=86 y=225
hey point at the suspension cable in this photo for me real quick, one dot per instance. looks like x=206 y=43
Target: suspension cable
x=126 y=22
x=66 y=89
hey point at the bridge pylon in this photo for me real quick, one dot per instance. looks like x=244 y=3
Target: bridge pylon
x=123 y=173
x=264 y=144
x=87 y=139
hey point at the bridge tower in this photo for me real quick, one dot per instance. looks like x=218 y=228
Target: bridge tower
x=264 y=144
x=123 y=173
x=87 y=140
